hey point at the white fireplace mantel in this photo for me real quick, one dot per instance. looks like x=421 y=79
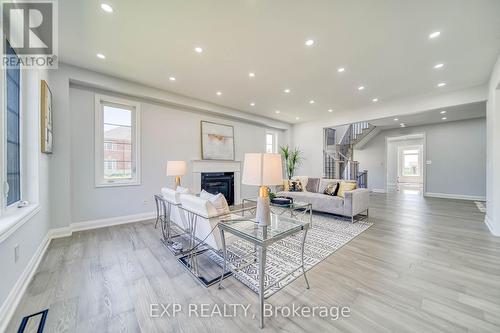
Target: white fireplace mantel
x=200 y=166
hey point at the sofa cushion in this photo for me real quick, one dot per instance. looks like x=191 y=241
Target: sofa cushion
x=312 y=185
x=303 y=181
x=331 y=189
x=217 y=200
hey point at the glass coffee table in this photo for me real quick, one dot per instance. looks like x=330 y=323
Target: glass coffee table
x=262 y=237
x=295 y=210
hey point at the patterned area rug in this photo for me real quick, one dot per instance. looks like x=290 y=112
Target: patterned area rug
x=328 y=234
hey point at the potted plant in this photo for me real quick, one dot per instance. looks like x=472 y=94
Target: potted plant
x=292 y=159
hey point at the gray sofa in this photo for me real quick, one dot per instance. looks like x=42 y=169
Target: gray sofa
x=353 y=203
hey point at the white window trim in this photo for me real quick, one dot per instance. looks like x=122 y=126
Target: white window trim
x=275 y=141
x=13 y=207
x=99 y=138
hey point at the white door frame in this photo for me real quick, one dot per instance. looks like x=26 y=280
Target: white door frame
x=410 y=179
x=420 y=135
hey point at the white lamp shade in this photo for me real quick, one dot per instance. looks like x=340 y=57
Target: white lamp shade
x=176 y=168
x=262 y=169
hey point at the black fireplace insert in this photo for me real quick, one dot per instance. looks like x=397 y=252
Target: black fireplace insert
x=219 y=182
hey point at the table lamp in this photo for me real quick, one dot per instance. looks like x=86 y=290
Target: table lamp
x=262 y=170
x=177 y=169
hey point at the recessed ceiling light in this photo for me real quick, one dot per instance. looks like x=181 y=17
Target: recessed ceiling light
x=341 y=69
x=374 y=100
x=252 y=104
x=402 y=125
x=309 y=42
x=277 y=111
x=198 y=49
x=396 y=119
x=443 y=112
x=444 y=118
x=219 y=93
x=297 y=118
x=286 y=91
x=330 y=110
x=361 y=88
x=441 y=84
x=435 y=34
x=172 y=78
x=100 y=56
x=251 y=74
x=311 y=101
x=107 y=8
x=438 y=66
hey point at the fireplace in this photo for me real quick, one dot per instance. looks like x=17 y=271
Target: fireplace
x=219 y=182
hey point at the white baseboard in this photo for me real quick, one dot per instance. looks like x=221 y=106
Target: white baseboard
x=16 y=293
x=379 y=190
x=455 y=196
x=12 y=301
x=488 y=223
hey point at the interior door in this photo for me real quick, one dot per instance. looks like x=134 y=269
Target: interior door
x=410 y=164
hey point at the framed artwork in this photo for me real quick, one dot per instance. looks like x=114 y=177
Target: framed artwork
x=46 y=118
x=217 y=141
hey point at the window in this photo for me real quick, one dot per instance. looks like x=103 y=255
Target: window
x=270 y=143
x=12 y=131
x=117 y=142
x=411 y=162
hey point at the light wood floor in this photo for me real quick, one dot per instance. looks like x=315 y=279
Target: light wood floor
x=426 y=265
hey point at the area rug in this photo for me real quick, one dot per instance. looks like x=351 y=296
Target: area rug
x=328 y=234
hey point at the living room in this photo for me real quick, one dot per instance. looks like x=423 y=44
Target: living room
x=243 y=165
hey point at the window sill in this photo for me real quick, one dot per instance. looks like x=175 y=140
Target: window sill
x=118 y=184
x=11 y=221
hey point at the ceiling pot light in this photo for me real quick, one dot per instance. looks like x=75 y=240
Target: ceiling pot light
x=252 y=104
x=198 y=49
x=341 y=69
x=251 y=74
x=396 y=119
x=375 y=100
x=435 y=34
x=311 y=101
x=100 y=56
x=444 y=118
x=277 y=111
x=309 y=42
x=438 y=66
x=330 y=110
x=219 y=93
x=172 y=78
x=441 y=84
x=286 y=91
x=443 y=112
x=361 y=88
x=107 y=8
x=297 y=118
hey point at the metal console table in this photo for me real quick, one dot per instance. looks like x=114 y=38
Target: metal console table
x=262 y=237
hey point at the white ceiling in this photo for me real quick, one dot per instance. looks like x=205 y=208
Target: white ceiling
x=454 y=113
x=383 y=45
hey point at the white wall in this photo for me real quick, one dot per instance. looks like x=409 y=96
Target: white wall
x=493 y=152
x=457 y=150
x=36 y=175
x=166 y=134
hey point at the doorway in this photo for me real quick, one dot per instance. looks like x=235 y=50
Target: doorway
x=405 y=167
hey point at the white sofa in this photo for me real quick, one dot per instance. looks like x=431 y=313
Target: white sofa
x=354 y=202
x=177 y=216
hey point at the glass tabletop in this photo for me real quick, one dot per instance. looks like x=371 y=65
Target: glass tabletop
x=293 y=205
x=249 y=229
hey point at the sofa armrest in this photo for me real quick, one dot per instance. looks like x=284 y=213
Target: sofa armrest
x=356 y=201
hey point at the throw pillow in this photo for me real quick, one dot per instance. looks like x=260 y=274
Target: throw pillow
x=296 y=186
x=344 y=186
x=331 y=189
x=312 y=185
x=286 y=185
x=182 y=190
x=303 y=181
x=217 y=200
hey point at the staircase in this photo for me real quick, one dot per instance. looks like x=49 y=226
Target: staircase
x=338 y=158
